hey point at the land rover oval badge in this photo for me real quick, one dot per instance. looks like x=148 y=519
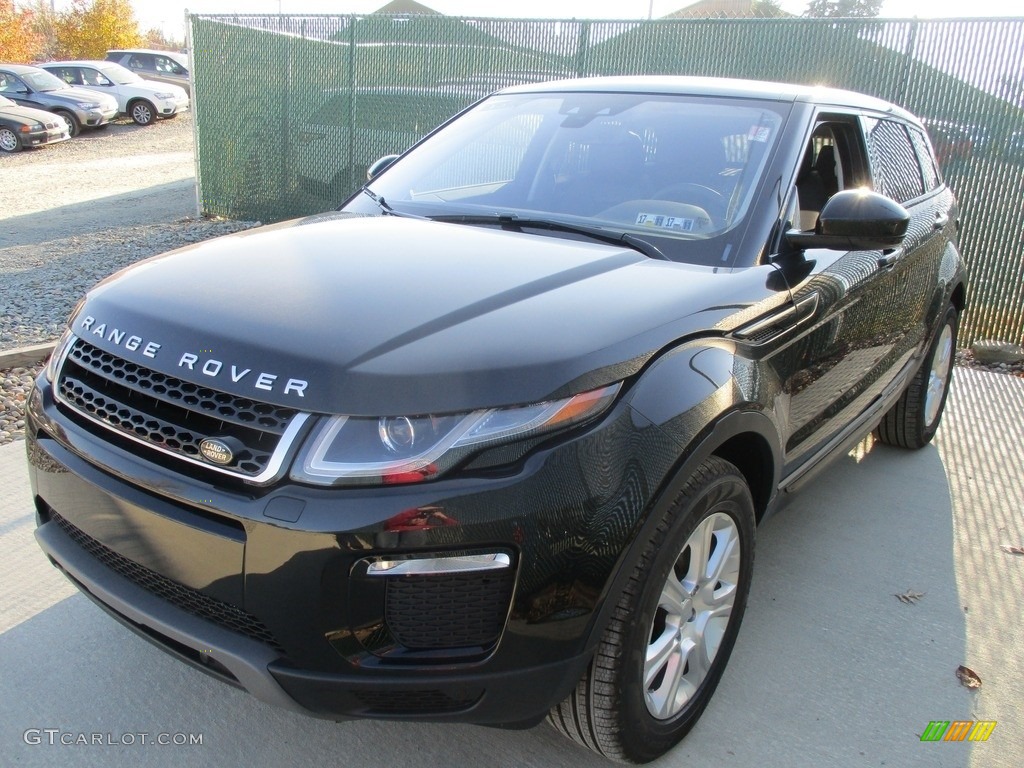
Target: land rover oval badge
x=216 y=451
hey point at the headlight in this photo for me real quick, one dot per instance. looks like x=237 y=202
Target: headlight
x=58 y=353
x=88 y=104
x=408 y=449
x=36 y=127
x=163 y=95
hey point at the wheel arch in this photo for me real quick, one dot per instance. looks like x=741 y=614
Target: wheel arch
x=743 y=436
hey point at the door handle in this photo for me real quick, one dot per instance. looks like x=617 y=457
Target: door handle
x=888 y=259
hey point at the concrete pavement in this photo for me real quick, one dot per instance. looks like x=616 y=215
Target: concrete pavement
x=830 y=668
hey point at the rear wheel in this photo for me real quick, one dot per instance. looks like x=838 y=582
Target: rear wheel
x=912 y=421
x=674 y=626
x=9 y=140
x=142 y=112
x=74 y=127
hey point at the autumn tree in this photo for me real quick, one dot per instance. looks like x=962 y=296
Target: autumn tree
x=844 y=9
x=18 y=40
x=88 y=29
x=156 y=38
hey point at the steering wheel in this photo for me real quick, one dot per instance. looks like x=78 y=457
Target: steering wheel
x=711 y=200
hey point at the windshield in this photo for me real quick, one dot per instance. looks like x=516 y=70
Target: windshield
x=119 y=75
x=43 y=81
x=680 y=171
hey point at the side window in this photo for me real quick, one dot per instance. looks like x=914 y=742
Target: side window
x=68 y=74
x=829 y=165
x=10 y=84
x=894 y=163
x=926 y=157
x=164 y=64
x=143 y=61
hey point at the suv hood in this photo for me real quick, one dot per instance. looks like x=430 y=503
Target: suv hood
x=72 y=95
x=383 y=315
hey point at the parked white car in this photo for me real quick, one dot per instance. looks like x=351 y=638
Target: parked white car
x=142 y=100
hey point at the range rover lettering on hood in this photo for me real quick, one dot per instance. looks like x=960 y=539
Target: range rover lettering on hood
x=192 y=362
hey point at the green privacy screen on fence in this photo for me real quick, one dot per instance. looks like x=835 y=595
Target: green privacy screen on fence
x=290 y=110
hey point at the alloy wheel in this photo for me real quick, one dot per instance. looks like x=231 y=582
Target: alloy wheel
x=693 y=612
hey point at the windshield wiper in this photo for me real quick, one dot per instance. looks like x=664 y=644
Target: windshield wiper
x=386 y=208
x=511 y=221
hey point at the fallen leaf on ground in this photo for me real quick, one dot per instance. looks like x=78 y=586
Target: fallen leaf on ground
x=1013 y=550
x=968 y=677
x=910 y=596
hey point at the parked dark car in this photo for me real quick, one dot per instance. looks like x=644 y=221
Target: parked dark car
x=159 y=66
x=22 y=127
x=37 y=88
x=489 y=444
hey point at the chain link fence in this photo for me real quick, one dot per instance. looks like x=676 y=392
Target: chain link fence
x=290 y=110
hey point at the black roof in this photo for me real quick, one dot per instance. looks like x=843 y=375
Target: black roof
x=718 y=86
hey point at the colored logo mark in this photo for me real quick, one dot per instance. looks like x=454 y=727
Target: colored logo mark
x=958 y=730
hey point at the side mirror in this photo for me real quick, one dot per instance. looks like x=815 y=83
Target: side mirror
x=855 y=219
x=380 y=166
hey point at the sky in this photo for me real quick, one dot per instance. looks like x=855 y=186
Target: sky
x=169 y=15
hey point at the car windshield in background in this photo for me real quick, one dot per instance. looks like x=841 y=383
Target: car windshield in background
x=671 y=169
x=43 y=81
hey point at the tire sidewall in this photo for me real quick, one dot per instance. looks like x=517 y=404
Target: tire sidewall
x=17 y=140
x=644 y=736
x=74 y=128
x=146 y=105
x=949 y=318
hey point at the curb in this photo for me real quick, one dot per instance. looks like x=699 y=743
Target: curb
x=23 y=357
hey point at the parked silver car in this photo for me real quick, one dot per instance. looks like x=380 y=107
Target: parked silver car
x=161 y=66
x=37 y=88
x=141 y=100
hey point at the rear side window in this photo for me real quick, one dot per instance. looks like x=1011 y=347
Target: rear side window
x=929 y=166
x=894 y=163
x=141 y=61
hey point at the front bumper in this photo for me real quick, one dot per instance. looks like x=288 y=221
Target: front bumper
x=94 y=118
x=267 y=588
x=46 y=136
x=166 y=107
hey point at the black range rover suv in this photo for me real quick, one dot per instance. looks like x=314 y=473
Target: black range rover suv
x=489 y=443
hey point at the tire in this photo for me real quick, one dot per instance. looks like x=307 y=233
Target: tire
x=9 y=140
x=74 y=127
x=142 y=112
x=629 y=705
x=912 y=421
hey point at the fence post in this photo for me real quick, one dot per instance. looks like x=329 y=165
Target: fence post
x=351 y=116
x=189 y=40
x=908 y=60
x=582 y=49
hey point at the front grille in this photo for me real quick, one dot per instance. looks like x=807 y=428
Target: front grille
x=414 y=702
x=458 y=610
x=169 y=414
x=187 y=599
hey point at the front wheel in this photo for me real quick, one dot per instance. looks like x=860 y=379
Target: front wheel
x=142 y=112
x=9 y=140
x=912 y=421
x=74 y=127
x=673 y=629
